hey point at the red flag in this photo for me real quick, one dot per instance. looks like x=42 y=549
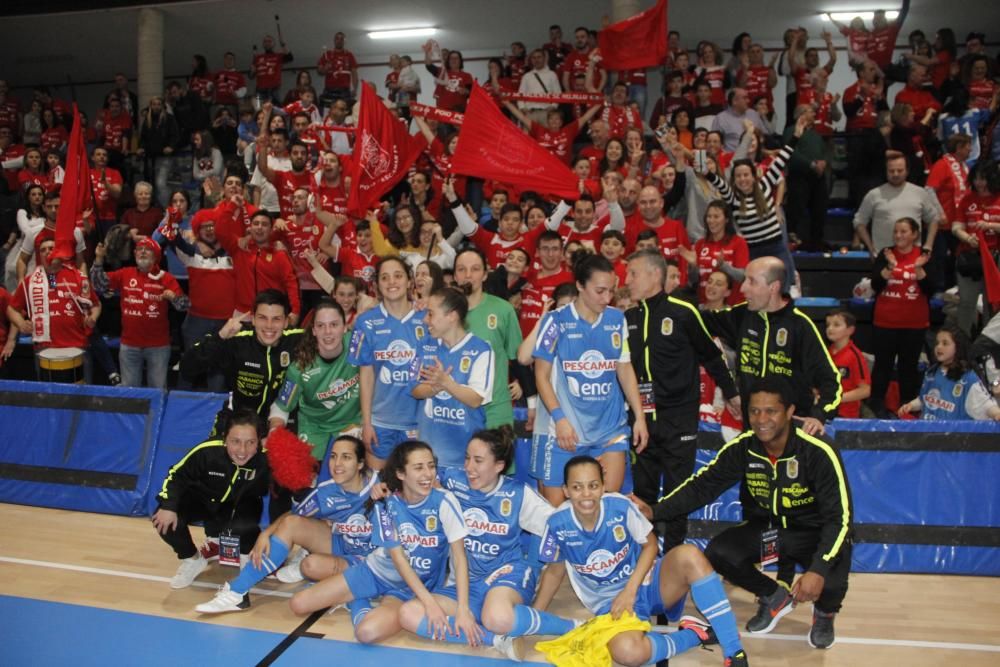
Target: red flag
x=75 y=194
x=383 y=152
x=492 y=147
x=991 y=274
x=638 y=42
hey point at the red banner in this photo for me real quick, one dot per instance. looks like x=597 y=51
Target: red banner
x=638 y=42
x=383 y=152
x=75 y=195
x=561 y=98
x=442 y=115
x=991 y=274
x=492 y=147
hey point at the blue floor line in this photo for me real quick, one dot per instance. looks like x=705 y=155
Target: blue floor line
x=38 y=632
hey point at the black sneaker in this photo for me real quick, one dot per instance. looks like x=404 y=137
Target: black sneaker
x=114 y=379
x=770 y=610
x=821 y=634
x=739 y=659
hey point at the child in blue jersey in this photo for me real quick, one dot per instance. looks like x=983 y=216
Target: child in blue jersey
x=951 y=388
x=498 y=511
x=610 y=552
x=456 y=378
x=584 y=375
x=339 y=502
x=415 y=530
x=385 y=348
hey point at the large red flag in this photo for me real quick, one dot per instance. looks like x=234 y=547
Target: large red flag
x=490 y=146
x=991 y=274
x=638 y=42
x=75 y=194
x=383 y=152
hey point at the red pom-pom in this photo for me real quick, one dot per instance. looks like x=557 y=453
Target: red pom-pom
x=292 y=464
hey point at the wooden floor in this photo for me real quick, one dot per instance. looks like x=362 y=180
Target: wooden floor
x=119 y=563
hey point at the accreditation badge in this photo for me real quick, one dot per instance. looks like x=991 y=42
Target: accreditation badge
x=229 y=549
x=647 y=398
x=769 y=547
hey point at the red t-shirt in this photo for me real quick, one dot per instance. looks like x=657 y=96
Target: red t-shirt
x=357 y=264
x=950 y=179
x=201 y=85
x=733 y=250
x=145 y=319
x=66 y=314
x=853 y=373
x=866 y=116
x=53 y=139
x=716 y=78
x=978 y=208
x=496 y=248
x=447 y=95
x=227 y=82
x=115 y=129
x=575 y=63
x=332 y=198
x=26 y=178
x=532 y=305
x=672 y=236
x=921 y=100
x=338 y=63
x=881 y=43
x=286 y=183
x=633 y=77
x=560 y=142
x=822 y=104
x=517 y=67
x=619 y=120
x=758 y=84
x=106 y=206
x=8 y=116
x=298 y=238
x=902 y=304
x=12 y=152
x=858 y=41
x=981 y=93
x=267 y=69
x=548 y=284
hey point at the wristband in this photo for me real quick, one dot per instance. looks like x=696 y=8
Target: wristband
x=558 y=414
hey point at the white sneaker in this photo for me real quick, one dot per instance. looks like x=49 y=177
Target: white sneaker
x=225 y=600
x=511 y=647
x=291 y=572
x=188 y=571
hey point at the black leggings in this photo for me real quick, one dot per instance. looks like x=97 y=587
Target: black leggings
x=245 y=523
x=900 y=348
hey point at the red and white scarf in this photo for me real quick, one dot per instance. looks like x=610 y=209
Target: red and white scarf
x=74 y=284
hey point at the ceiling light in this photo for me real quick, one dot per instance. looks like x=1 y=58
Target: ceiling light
x=402 y=32
x=866 y=15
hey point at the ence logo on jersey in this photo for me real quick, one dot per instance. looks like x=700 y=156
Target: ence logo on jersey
x=602 y=562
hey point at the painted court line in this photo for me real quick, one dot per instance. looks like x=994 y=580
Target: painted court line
x=953 y=646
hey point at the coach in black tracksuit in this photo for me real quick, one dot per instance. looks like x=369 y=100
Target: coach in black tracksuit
x=772 y=337
x=668 y=342
x=791 y=482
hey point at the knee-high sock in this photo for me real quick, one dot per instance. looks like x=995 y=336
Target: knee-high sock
x=667 y=646
x=424 y=631
x=528 y=621
x=711 y=600
x=251 y=574
x=359 y=609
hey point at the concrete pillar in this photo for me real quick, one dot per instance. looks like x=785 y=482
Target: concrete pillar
x=149 y=54
x=622 y=9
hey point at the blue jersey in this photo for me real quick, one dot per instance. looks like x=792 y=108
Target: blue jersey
x=585 y=360
x=495 y=519
x=425 y=530
x=391 y=347
x=599 y=563
x=444 y=421
x=943 y=398
x=968 y=123
x=352 y=529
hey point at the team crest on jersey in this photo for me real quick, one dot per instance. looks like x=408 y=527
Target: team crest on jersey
x=269 y=257
x=957 y=390
x=284 y=359
x=667 y=326
x=465 y=364
x=431 y=523
x=616 y=340
x=491 y=321
x=782 y=337
x=418 y=331
x=792 y=468
x=505 y=507
x=619 y=533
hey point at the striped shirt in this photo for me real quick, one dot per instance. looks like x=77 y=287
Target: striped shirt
x=757 y=227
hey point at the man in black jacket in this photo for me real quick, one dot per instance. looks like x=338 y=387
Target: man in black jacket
x=668 y=342
x=220 y=482
x=773 y=337
x=796 y=508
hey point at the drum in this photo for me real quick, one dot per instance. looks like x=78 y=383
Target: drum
x=61 y=364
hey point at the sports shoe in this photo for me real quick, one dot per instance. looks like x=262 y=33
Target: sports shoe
x=739 y=659
x=704 y=631
x=821 y=634
x=511 y=647
x=114 y=379
x=291 y=571
x=225 y=600
x=188 y=571
x=770 y=610
x=210 y=549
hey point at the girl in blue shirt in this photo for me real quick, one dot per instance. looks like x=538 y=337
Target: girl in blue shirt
x=415 y=530
x=456 y=378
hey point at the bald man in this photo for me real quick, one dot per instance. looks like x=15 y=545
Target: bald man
x=773 y=337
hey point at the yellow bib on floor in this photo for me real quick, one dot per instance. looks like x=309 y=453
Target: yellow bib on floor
x=587 y=645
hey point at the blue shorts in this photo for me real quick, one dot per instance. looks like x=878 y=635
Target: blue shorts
x=648 y=601
x=548 y=459
x=519 y=575
x=388 y=438
x=364 y=584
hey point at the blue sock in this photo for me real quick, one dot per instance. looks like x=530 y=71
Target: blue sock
x=251 y=574
x=667 y=646
x=359 y=609
x=529 y=621
x=423 y=630
x=711 y=600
